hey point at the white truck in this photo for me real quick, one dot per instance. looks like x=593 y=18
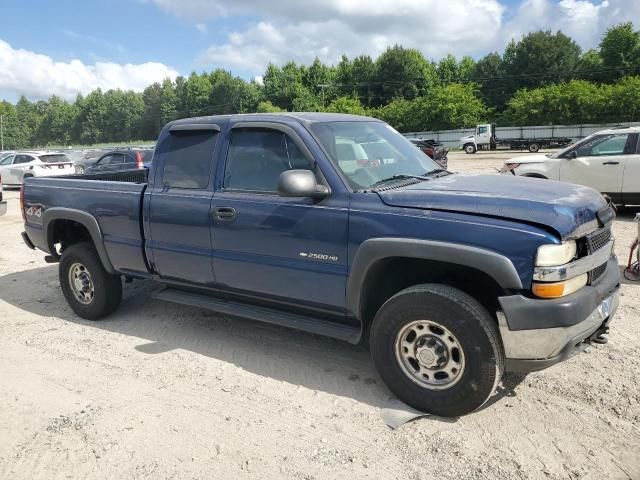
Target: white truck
x=485 y=139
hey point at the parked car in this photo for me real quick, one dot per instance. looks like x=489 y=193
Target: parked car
x=608 y=161
x=435 y=150
x=87 y=158
x=123 y=159
x=452 y=278
x=3 y=203
x=15 y=167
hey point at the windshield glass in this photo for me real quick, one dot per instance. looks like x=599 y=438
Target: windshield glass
x=574 y=145
x=368 y=152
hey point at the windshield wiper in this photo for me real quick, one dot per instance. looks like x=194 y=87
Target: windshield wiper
x=398 y=177
x=437 y=170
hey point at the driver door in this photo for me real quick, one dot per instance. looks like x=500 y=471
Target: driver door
x=600 y=163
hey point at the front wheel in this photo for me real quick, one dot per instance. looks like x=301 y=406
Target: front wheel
x=437 y=349
x=470 y=148
x=91 y=291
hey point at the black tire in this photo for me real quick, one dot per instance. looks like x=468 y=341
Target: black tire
x=534 y=147
x=469 y=148
x=106 y=288
x=473 y=328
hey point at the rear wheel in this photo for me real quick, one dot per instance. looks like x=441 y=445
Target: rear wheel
x=469 y=148
x=437 y=349
x=91 y=291
x=534 y=147
x=79 y=169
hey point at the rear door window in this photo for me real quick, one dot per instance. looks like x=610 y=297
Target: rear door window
x=22 y=159
x=188 y=162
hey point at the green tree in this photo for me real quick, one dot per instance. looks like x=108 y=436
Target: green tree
x=620 y=51
x=402 y=73
x=347 y=105
x=540 y=58
x=489 y=74
x=267 y=107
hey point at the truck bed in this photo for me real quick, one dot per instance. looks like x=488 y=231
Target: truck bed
x=113 y=199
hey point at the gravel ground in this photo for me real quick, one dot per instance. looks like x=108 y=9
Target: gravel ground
x=161 y=391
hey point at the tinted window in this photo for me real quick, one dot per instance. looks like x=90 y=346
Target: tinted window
x=257 y=157
x=130 y=158
x=22 y=159
x=56 y=158
x=482 y=130
x=187 y=164
x=106 y=160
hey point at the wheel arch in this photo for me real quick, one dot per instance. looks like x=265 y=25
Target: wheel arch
x=384 y=266
x=56 y=219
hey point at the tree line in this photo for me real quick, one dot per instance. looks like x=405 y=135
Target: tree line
x=542 y=79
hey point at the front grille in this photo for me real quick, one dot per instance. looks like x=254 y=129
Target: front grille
x=595 y=241
x=597 y=272
x=598 y=239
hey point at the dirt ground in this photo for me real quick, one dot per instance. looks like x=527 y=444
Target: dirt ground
x=160 y=391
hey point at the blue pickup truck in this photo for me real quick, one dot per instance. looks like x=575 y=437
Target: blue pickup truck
x=451 y=279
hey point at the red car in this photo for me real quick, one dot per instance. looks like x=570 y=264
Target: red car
x=434 y=150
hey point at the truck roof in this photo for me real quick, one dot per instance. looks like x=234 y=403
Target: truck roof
x=300 y=117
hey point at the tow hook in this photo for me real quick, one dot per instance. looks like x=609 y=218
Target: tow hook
x=599 y=336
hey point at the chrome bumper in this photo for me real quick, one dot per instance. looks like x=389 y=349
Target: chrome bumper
x=548 y=344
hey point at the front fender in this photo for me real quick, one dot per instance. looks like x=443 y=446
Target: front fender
x=497 y=266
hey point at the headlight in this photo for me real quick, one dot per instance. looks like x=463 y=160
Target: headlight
x=555 y=255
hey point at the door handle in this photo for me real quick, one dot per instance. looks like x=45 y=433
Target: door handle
x=611 y=163
x=224 y=213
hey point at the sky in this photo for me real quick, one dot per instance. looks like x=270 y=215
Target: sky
x=66 y=47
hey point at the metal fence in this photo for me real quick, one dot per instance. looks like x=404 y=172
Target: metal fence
x=451 y=138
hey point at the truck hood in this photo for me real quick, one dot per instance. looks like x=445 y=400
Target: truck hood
x=570 y=210
x=522 y=159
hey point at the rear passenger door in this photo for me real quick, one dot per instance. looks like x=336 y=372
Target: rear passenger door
x=631 y=178
x=178 y=205
x=272 y=247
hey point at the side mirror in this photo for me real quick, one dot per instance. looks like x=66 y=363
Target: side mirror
x=300 y=183
x=572 y=154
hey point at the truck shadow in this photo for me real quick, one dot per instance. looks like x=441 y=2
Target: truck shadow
x=298 y=358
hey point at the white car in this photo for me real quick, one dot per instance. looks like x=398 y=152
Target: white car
x=3 y=203
x=608 y=161
x=14 y=168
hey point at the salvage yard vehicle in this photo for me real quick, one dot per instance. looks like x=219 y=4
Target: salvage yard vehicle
x=16 y=167
x=3 y=203
x=485 y=139
x=608 y=161
x=121 y=159
x=452 y=278
x=435 y=150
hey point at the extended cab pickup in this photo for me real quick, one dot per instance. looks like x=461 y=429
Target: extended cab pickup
x=451 y=278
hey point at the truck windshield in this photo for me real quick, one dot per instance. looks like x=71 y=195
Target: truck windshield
x=368 y=153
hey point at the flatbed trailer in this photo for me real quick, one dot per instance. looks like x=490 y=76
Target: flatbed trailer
x=485 y=139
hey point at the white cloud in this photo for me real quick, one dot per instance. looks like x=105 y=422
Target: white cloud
x=289 y=30
x=38 y=76
x=202 y=27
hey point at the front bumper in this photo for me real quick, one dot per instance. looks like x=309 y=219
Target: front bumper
x=3 y=207
x=538 y=333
